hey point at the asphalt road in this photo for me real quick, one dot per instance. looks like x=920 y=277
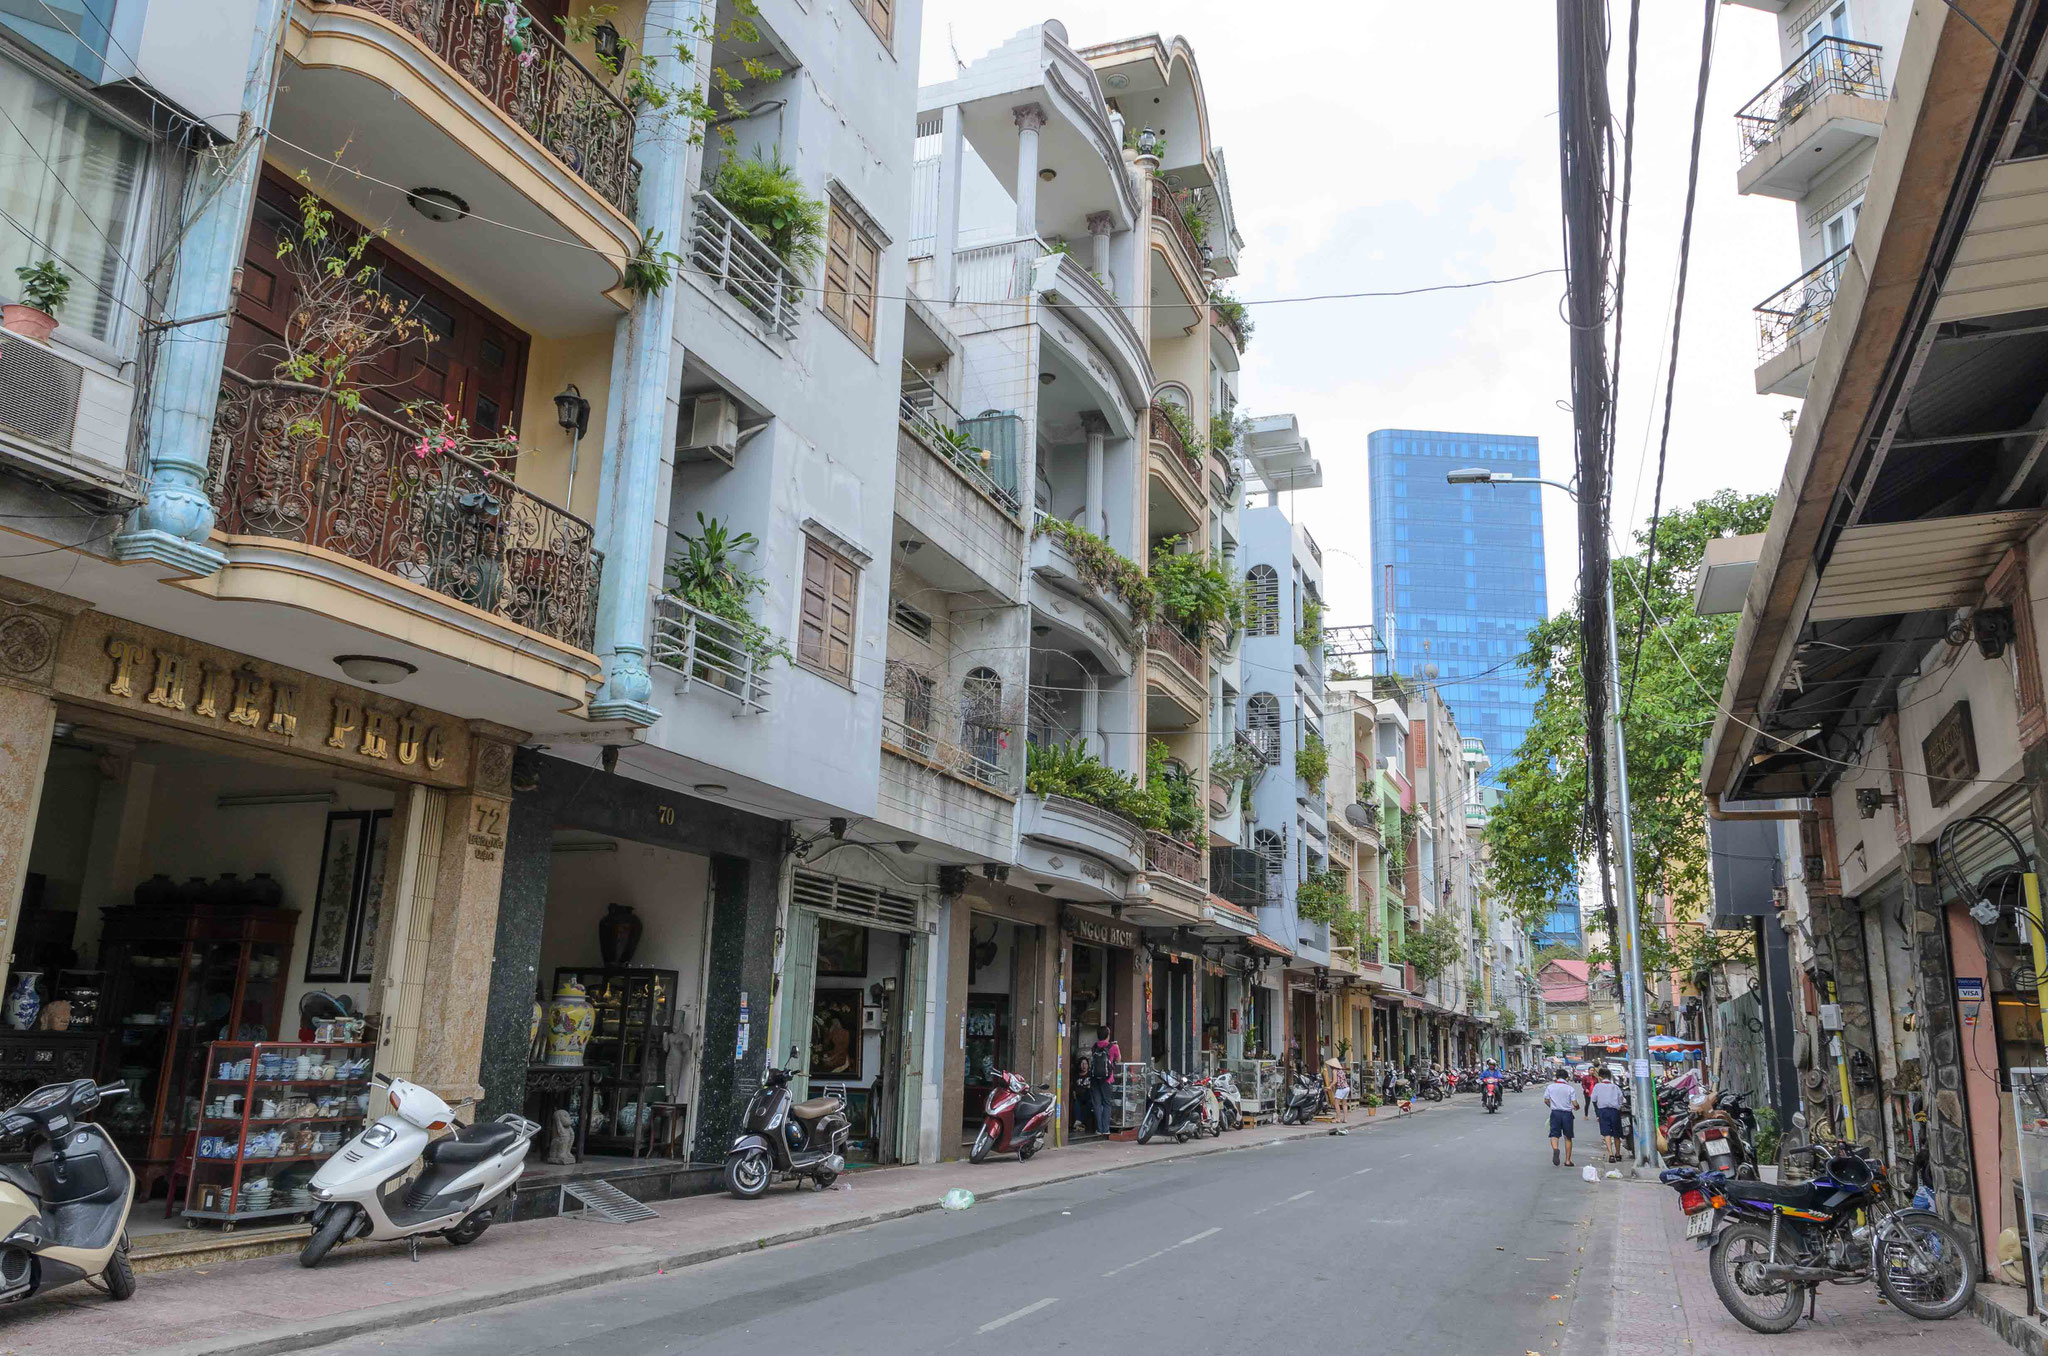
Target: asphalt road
x=1446 y=1232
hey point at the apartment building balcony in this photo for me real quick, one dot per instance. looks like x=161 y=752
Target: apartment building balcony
x=1789 y=325
x=334 y=515
x=1179 y=502
x=1364 y=823
x=1828 y=103
x=1167 y=855
x=1176 y=678
x=400 y=92
x=1080 y=611
x=956 y=493
x=1078 y=847
x=729 y=261
x=1179 y=298
x=945 y=793
x=713 y=655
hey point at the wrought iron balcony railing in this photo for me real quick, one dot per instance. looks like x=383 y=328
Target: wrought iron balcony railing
x=1163 y=852
x=733 y=259
x=1165 y=209
x=556 y=99
x=1167 y=639
x=718 y=652
x=954 y=758
x=1163 y=431
x=1830 y=66
x=289 y=461
x=1801 y=305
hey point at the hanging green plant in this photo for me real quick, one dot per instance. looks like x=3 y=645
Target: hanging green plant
x=711 y=574
x=767 y=195
x=1195 y=591
x=1312 y=759
x=1309 y=634
x=1233 y=313
x=1101 y=564
x=653 y=268
x=1319 y=896
x=1191 y=441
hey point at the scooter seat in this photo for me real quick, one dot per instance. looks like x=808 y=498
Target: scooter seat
x=19 y=1176
x=472 y=1144
x=816 y=1107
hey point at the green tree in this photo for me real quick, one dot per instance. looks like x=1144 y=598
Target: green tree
x=1541 y=831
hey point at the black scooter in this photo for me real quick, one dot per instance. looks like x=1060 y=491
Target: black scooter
x=1174 y=1108
x=1306 y=1100
x=781 y=1140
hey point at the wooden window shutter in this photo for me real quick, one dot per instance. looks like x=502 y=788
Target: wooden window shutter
x=861 y=310
x=810 y=636
x=882 y=17
x=838 y=265
x=826 y=628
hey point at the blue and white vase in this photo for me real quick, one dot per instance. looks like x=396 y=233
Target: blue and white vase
x=24 y=1003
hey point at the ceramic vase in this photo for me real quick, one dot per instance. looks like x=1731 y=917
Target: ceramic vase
x=570 y=1019
x=618 y=934
x=24 y=1002
x=156 y=893
x=262 y=891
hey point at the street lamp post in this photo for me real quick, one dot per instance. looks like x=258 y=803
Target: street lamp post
x=1633 y=995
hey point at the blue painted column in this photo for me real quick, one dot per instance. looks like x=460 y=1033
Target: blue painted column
x=661 y=144
x=174 y=523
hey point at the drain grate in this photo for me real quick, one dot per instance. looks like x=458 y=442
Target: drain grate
x=603 y=1201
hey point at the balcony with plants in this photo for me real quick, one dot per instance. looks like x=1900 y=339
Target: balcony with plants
x=705 y=630
x=1074 y=800
x=956 y=492
x=1828 y=103
x=1075 y=564
x=756 y=237
x=329 y=466
x=1193 y=594
x=1179 y=451
x=1231 y=323
x=1180 y=234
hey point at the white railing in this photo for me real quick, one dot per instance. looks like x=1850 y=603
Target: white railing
x=731 y=257
x=953 y=758
x=720 y=654
x=999 y=272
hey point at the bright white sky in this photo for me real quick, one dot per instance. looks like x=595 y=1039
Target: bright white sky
x=1375 y=145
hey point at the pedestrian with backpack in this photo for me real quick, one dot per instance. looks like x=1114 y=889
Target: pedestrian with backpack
x=1103 y=1057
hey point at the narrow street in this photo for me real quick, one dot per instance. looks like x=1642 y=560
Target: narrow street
x=1445 y=1232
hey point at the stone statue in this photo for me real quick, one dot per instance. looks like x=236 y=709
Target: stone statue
x=562 y=1140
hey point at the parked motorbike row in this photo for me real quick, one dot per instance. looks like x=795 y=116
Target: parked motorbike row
x=1771 y=1244
x=1698 y=1126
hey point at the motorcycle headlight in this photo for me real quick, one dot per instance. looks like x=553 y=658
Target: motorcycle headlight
x=378 y=1135
x=320 y=1193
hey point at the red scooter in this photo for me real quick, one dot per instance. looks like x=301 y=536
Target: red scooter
x=1489 y=1093
x=1017 y=1120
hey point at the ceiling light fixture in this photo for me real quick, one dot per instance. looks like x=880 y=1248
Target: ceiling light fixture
x=710 y=788
x=374 y=670
x=1048 y=174
x=437 y=204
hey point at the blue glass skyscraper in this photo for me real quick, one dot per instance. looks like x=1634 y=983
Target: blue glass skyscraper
x=1466 y=564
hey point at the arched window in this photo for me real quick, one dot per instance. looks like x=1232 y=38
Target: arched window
x=1262 y=601
x=1272 y=851
x=1173 y=393
x=981 y=715
x=1262 y=721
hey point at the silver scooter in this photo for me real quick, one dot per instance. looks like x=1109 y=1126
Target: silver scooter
x=396 y=1180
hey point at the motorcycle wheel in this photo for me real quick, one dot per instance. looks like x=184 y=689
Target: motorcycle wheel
x=824 y=1180
x=1149 y=1126
x=1287 y=1115
x=1764 y=1306
x=1924 y=1267
x=983 y=1145
x=119 y=1275
x=747 y=1174
x=469 y=1229
x=1233 y=1119
x=1024 y=1154
x=330 y=1232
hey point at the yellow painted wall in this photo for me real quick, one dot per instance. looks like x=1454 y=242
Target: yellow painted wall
x=551 y=365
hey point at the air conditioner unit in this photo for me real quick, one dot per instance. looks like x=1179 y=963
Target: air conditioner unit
x=63 y=420
x=714 y=432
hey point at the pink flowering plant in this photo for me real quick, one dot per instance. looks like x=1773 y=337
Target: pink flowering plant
x=443 y=431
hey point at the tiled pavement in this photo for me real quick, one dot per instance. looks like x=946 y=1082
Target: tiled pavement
x=1663 y=1301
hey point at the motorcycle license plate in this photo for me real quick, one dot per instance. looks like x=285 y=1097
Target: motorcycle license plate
x=1701 y=1225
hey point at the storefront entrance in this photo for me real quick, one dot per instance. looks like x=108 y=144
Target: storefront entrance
x=1173 y=1012
x=1001 y=1030
x=854 y=975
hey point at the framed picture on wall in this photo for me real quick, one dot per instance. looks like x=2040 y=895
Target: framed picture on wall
x=835 y=1033
x=842 y=950
x=370 y=912
x=341 y=867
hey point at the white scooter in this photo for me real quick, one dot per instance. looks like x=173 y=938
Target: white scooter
x=369 y=1190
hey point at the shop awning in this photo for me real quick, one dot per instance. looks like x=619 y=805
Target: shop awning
x=1259 y=941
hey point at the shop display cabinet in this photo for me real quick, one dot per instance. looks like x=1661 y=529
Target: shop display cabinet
x=271 y=1112
x=180 y=978
x=636 y=1008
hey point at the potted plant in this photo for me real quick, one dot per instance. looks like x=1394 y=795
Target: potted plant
x=43 y=289
x=1372 y=1103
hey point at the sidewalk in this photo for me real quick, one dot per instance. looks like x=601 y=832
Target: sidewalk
x=1664 y=1302
x=270 y=1305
